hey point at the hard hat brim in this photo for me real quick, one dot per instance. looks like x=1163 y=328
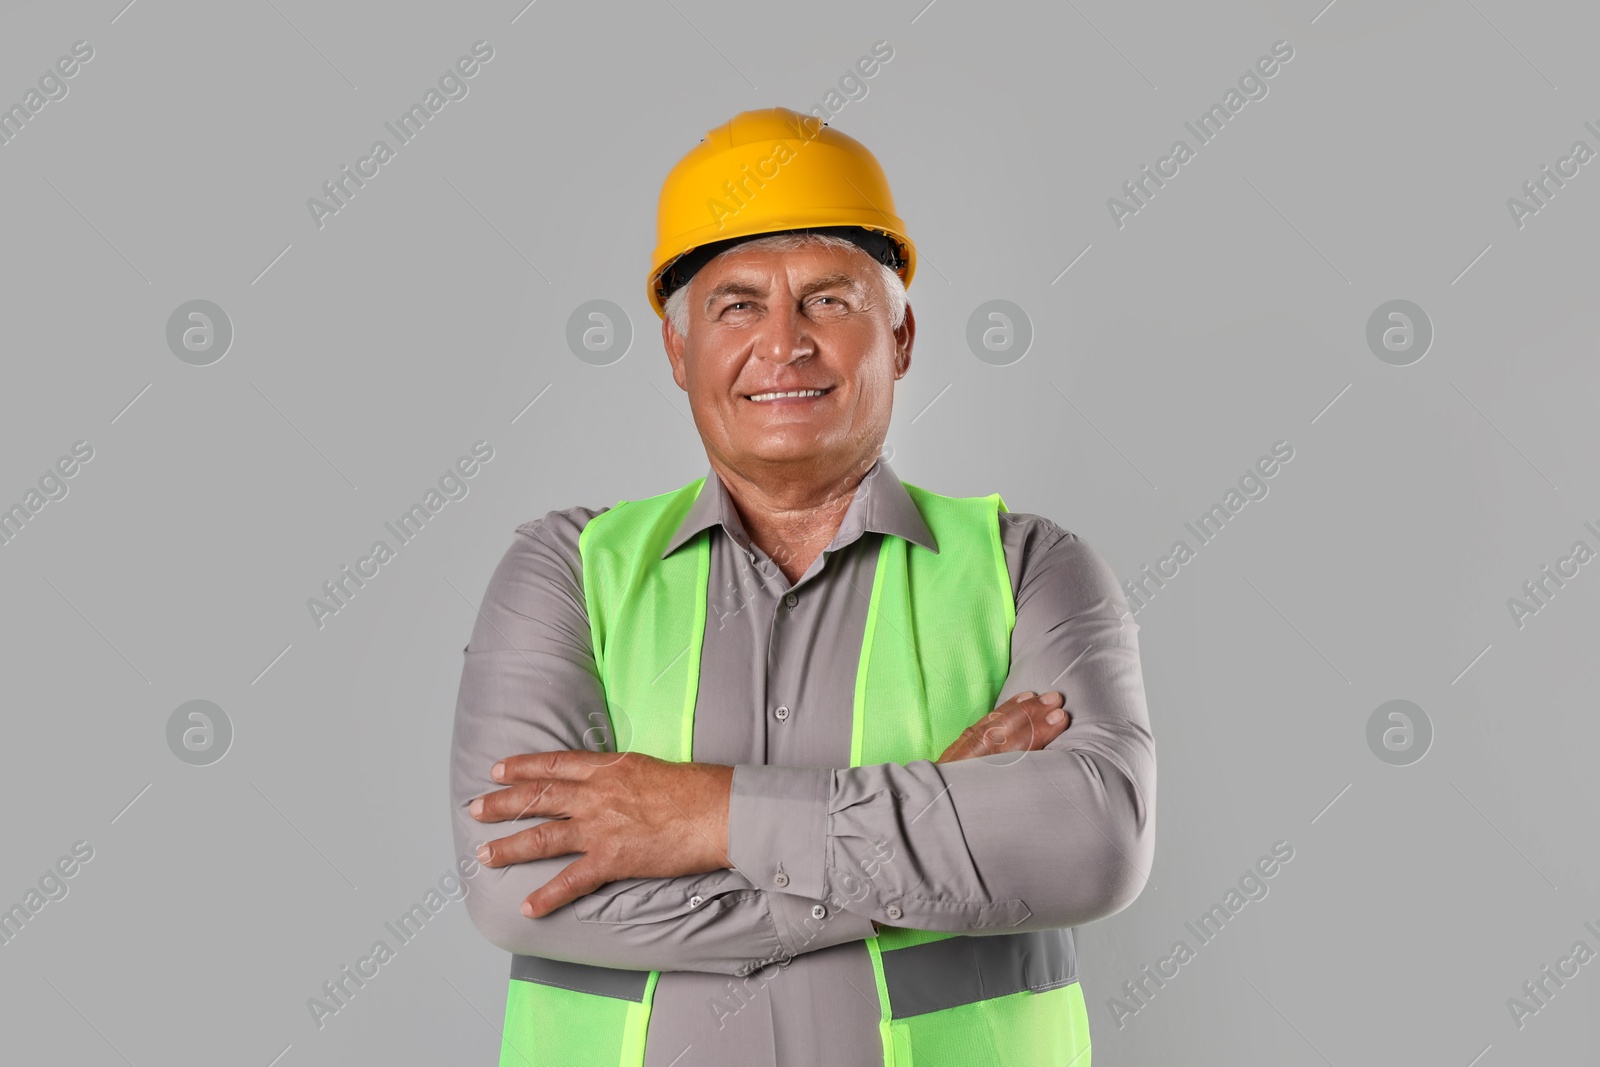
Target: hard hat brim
x=765 y=172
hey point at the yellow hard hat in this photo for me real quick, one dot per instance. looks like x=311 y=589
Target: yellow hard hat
x=765 y=172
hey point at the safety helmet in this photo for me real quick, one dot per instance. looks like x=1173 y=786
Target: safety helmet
x=770 y=171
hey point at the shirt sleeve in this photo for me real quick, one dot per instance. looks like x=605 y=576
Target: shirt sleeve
x=1003 y=843
x=529 y=684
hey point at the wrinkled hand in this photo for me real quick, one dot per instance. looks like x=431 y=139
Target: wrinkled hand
x=631 y=816
x=1021 y=724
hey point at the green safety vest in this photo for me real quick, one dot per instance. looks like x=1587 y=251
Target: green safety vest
x=934 y=656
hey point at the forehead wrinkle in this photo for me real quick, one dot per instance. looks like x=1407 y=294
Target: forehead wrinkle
x=834 y=279
x=735 y=287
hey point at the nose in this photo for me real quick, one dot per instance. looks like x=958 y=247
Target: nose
x=786 y=335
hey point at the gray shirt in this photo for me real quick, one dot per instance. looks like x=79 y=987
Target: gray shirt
x=760 y=976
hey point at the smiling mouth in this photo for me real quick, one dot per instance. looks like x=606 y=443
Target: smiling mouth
x=788 y=395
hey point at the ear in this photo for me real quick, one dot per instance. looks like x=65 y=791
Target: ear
x=675 y=343
x=904 y=337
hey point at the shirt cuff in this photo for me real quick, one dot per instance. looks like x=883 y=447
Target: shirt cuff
x=636 y=901
x=801 y=928
x=778 y=827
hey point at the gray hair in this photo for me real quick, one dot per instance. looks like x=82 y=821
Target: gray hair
x=677 y=305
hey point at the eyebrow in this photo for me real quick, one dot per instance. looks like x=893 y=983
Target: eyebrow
x=736 y=287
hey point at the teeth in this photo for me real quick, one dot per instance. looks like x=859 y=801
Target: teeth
x=796 y=392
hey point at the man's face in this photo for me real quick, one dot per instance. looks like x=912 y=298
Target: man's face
x=769 y=321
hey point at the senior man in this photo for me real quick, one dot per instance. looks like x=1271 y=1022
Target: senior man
x=729 y=750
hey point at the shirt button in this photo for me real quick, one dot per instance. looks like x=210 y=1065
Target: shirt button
x=818 y=911
x=791 y=600
x=780 y=879
x=893 y=911
x=782 y=713
x=696 y=900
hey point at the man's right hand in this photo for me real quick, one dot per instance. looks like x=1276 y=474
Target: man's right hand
x=1021 y=724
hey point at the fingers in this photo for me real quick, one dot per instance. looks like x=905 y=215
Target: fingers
x=569 y=763
x=538 y=797
x=1034 y=722
x=546 y=783
x=558 y=837
x=1025 y=723
x=577 y=879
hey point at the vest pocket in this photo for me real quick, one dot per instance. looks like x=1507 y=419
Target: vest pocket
x=1003 y=999
x=562 y=1014
x=1046 y=1029
x=548 y=1026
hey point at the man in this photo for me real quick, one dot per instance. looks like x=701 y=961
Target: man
x=730 y=749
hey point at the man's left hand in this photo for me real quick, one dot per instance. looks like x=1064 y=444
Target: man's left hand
x=631 y=816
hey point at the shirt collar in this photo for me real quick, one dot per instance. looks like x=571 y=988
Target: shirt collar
x=880 y=505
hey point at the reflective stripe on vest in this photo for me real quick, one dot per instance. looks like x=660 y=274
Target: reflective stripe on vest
x=921 y=978
x=935 y=653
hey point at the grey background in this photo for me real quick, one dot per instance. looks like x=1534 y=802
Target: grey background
x=371 y=353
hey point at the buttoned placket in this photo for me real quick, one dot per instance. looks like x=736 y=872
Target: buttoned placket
x=792 y=612
x=780 y=614
x=784 y=617
x=782 y=604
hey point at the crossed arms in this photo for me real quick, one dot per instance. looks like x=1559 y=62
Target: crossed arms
x=1003 y=843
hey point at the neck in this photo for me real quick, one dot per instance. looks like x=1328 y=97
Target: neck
x=792 y=517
